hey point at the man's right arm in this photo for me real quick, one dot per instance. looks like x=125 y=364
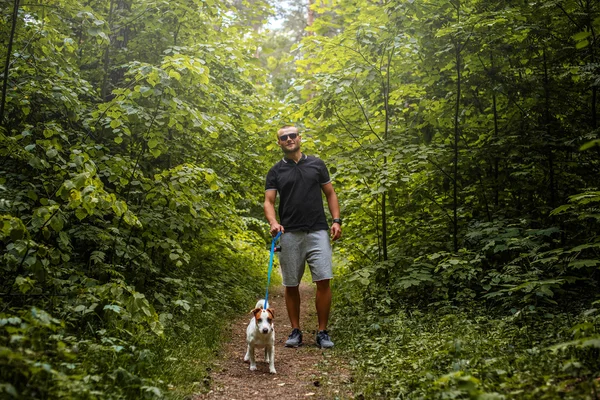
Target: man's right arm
x=270 y=196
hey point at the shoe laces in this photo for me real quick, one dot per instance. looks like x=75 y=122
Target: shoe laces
x=295 y=332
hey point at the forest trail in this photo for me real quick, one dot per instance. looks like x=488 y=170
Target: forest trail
x=303 y=373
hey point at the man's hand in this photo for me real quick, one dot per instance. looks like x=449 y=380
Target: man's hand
x=336 y=231
x=276 y=228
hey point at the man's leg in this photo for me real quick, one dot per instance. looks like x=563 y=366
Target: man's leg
x=292 y=259
x=323 y=303
x=292 y=304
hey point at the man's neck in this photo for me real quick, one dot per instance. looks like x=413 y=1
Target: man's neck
x=295 y=156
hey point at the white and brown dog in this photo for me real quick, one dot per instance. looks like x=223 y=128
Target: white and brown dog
x=261 y=333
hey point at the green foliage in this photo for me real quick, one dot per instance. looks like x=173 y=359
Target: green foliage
x=130 y=183
x=444 y=352
x=463 y=138
x=382 y=102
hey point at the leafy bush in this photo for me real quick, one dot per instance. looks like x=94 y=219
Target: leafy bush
x=127 y=193
x=444 y=352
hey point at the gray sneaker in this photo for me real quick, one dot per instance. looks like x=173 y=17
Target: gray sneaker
x=295 y=338
x=323 y=340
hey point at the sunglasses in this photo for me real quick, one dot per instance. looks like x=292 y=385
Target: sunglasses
x=284 y=138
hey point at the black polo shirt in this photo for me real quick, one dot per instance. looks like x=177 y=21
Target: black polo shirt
x=299 y=187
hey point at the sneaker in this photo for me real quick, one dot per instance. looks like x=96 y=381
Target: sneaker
x=295 y=338
x=323 y=340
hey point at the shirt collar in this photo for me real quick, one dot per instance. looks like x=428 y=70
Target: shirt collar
x=303 y=157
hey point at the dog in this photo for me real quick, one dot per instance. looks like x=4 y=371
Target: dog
x=261 y=333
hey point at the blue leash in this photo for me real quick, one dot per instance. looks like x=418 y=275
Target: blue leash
x=270 y=268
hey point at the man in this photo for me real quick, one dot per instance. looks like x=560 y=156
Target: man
x=299 y=179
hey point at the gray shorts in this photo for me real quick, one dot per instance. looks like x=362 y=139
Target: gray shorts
x=300 y=247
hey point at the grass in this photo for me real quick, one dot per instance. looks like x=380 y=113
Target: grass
x=448 y=352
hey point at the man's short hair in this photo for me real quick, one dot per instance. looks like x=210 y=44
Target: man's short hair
x=287 y=126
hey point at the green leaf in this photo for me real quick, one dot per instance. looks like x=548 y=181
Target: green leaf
x=156 y=152
x=80 y=308
x=579 y=343
x=119 y=207
x=175 y=74
x=581 y=35
x=57 y=223
x=590 y=144
x=113 y=307
x=94 y=31
x=583 y=263
x=10 y=389
x=81 y=213
x=145 y=90
x=25 y=284
x=561 y=209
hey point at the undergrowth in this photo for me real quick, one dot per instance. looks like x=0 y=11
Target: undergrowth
x=512 y=315
x=449 y=352
x=45 y=355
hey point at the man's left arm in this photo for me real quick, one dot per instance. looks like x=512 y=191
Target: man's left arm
x=334 y=209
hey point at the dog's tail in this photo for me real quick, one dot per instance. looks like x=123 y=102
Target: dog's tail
x=260 y=303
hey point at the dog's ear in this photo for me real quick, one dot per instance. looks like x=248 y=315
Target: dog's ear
x=270 y=311
x=256 y=311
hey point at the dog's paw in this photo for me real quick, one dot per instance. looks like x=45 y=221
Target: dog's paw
x=272 y=371
x=253 y=368
x=246 y=358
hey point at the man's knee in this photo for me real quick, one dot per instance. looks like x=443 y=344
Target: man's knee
x=292 y=290
x=323 y=285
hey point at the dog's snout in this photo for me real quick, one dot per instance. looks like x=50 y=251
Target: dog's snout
x=265 y=330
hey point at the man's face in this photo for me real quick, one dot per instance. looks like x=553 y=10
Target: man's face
x=289 y=139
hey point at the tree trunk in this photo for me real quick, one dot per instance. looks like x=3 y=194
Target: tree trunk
x=106 y=62
x=549 y=132
x=7 y=62
x=456 y=137
x=495 y=110
x=311 y=16
x=386 y=100
x=590 y=25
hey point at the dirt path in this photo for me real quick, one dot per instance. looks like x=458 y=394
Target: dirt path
x=303 y=373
